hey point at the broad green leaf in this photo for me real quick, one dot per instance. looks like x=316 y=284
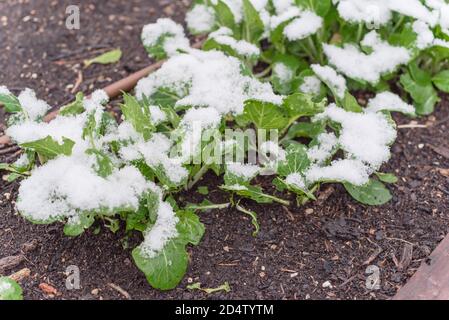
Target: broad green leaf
x=146 y=215
x=284 y=72
x=374 y=193
x=76 y=227
x=10 y=102
x=350 y=103
x=50 y=148
x=75 y=107
x=424 y=96
x=387 y=177
x=10 y=290
x=441 y=80
x=109 y=57
x=300 y=105
x=138 y=116
x=163 y=97
x=189 y=227
x=253 y=27
x=167 y=268
x=305 y=130
x=264 y=115
x=296 y=161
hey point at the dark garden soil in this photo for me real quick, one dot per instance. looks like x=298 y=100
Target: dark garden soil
x=318 y=251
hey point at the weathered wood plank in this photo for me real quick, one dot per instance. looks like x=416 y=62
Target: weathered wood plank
x=431 y=280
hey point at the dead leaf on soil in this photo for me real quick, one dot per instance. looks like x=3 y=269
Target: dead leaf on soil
x=406 y=257
x=10 y=262
x=442 y=151
x=20 y=275
x=443 y=172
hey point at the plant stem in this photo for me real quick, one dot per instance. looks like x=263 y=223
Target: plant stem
x=197 y=177
x=264 y=72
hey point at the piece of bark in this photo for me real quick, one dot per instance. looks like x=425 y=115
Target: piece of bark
x=10 y=262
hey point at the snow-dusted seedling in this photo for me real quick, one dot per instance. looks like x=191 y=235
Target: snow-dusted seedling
x=265 y=65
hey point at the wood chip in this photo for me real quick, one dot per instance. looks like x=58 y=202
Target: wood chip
x=10 y=262
x=442 y=151
x=443 y=172
x=406 y=258
x=20 y=275
x=48 y=289
x=372 y=257
x=120 y=290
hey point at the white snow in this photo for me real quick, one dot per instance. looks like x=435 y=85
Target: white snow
x=163 y=230
x=170 y=33
x=67 y=185
x=390 y=102
x=289 y=13
x=307 y=24
x=346 y=170
x=364 y=136
x=245 y=171
x=356 y=64
x=283 y=72
x=224 y=36
x=323 y=151
x=200 y=19
x=4 y=90
x=311 y=85
x=157 y=115
x=282 y=5
x=330 y=76
x=374 y=12
x=212 y=80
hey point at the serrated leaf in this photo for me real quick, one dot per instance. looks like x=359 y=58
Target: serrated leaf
x=74 y=108
x=253 y=27
x=138 y=116
x=10 y=290
x=374 y=193
x=50 y=148
x=109 y=57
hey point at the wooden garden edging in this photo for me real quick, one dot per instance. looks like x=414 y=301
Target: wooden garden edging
x=431 y=281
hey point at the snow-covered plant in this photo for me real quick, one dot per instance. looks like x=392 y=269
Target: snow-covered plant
x=86 y=166
x=369 y=42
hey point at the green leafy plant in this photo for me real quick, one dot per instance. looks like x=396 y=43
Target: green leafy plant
x=265 y=72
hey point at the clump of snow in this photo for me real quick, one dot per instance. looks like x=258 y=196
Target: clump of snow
x=282 y=6
x=389 y=101
x=212 y=79
x=66 y=186
x=4 y=91
x=330 y=76
x=425 y=37
x=272 y=148
x=283 y=72
x=166 y=32
x=156 y=153
x=296 y=180
x=157 y=115
x=289 y=13
x=327 y=142
x=364 y=136
x=96 y=100
x=307 y=24
x=201 y=18
x=356 y=64
x=374 y=12
x=31 y=105
x=345 y=170
x=311 y=85
x=163 y=230
x=224 y=36
x=415 y=9
x=245 y=171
